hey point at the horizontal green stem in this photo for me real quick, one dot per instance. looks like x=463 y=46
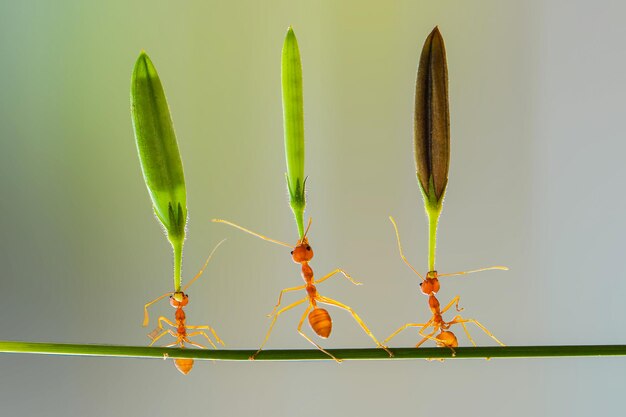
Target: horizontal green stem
x=312 y=354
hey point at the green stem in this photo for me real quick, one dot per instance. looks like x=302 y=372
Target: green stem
x=299 y=215
x=433 y=222
x=178 y=260
x=312 y=354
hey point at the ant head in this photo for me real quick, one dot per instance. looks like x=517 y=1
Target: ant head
x=302 y=252
x=431 y=284
x=179 y=299
x=447 y=339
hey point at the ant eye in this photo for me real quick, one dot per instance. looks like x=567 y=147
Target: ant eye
x=421 y=284
x=308 y=248
x=292 y=252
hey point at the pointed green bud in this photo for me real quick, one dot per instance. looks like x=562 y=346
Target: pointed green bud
x=158 y=154
x=293 y=119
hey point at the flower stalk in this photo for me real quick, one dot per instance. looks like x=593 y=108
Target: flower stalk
x=312 y=354
x=159 y=156
x=432 y=132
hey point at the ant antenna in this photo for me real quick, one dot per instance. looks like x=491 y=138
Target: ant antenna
x=307 y=229
x=203 y=266
x=501 y=268
x=400 y=248
x=278 y=242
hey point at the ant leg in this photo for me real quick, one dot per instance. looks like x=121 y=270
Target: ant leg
x=211 y=329
x=160 y=335
x=356 y=317
x=406 y=326
x=434 y=339
x=338 y=270
x=145 y=308
x=168 y=331
x=198 y=345
x=280 y=297
x=499 y=267
x=306 y=312
x=165 y=319
x=155 y=335
x=426 y=336
x=203 y=266
x=281 y=311
x=400 y=248
x=467 y=333
x=459 y=319
x=455 y=300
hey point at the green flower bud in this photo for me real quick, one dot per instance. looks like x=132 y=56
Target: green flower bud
x=159 y=156
x=293 y=119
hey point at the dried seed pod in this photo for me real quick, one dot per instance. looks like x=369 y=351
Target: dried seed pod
x=432 y=119
x=432 y=132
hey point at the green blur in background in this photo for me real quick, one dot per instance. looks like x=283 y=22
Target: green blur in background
x=536 y=105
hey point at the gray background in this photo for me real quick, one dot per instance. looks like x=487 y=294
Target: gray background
x=537 y=113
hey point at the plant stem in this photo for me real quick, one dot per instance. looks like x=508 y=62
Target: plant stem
x=178 y=260
x=298 y=212
x=311 y=354
x=433 y=222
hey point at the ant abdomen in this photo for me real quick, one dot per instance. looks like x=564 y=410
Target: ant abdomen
x=447 y=339
x=184 y=365
x=320 y=322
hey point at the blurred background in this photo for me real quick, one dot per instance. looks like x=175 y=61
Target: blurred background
x=537 y=113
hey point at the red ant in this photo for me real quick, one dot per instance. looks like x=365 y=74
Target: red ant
x=178 y=300
x=319 y=318
x=429 y=287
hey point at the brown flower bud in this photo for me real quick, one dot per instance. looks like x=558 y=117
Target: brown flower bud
x=432 y=119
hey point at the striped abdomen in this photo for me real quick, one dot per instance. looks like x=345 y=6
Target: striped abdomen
x=320 y=322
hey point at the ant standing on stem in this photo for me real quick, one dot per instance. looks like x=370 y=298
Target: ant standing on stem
x=178 y=300
x=319 y=318
x=429 y=287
